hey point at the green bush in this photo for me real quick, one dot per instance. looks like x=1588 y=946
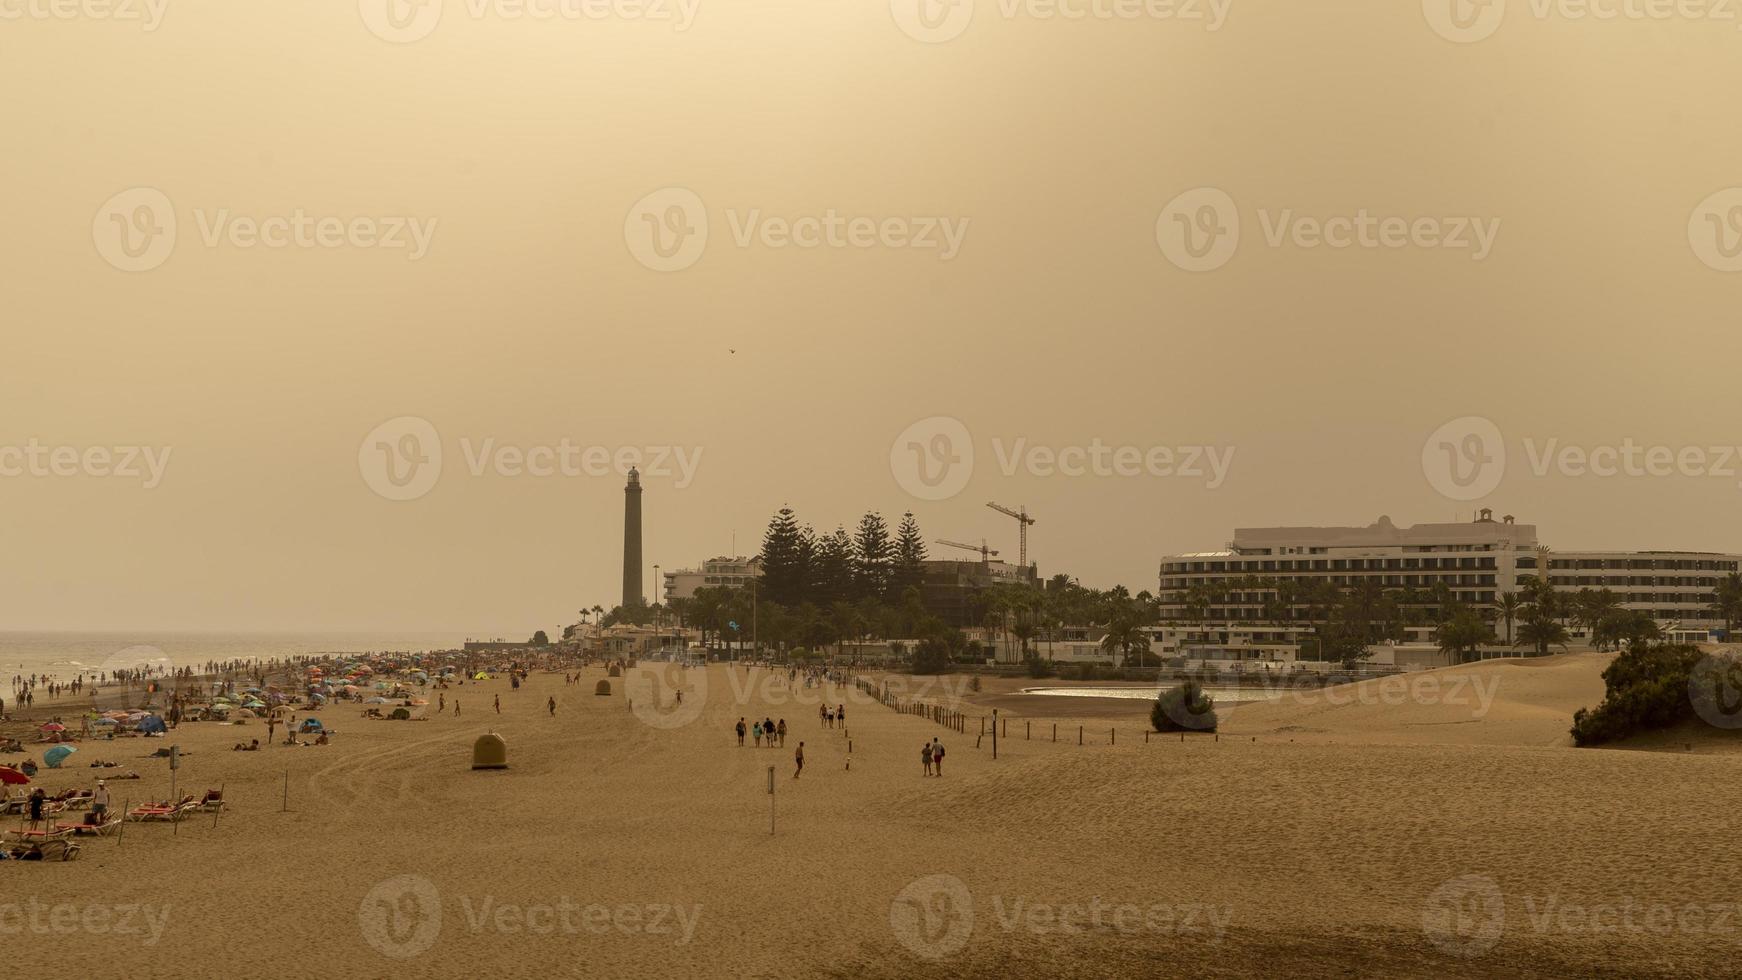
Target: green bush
x=1039 y=667
x=1185 y=708
x=931 y=656
x=1647 y=688
x=400 y=714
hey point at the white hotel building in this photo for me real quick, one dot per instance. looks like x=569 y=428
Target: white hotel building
x=1476 y=561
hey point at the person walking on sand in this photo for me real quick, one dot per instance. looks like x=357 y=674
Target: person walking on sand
x=456 y=707
x=498 y=704
x=780 y=729
x=441 y=703
x=756 y=732
x=925 y=757
x=740 y=729
x=841 y=715
x=100 y=801
x=797 y=757
x=553 y=706
x=937 y=756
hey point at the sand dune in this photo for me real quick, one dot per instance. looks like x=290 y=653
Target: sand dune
x=1315 y=857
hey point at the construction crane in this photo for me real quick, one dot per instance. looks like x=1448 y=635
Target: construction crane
x=986 y=554
x=1022 y=521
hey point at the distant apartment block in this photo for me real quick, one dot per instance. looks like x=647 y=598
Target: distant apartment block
x=1225 y=602
x=730 y=573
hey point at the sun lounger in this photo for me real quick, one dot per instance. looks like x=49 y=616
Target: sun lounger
x=36 y=836
x=168 y=814
x=103 y=829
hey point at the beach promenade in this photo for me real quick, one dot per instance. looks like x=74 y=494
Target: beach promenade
x=1405 y=840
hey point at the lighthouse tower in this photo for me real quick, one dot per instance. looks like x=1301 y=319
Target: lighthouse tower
x=632 y=541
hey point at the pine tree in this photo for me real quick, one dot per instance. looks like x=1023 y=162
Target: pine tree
x=909 y=558
x=873 y=557
x=785 y=560
x=832 y=568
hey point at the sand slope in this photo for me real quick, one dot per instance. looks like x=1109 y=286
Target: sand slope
x=1315 y=858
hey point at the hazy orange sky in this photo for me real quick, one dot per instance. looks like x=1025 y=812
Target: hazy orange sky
x=529 y=152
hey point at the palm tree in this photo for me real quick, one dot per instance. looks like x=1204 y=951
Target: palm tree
x=1125 y=635
x=1541 y=632
x=1509 y=603
x=1462 y=635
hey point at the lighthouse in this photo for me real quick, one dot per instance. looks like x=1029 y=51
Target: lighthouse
x=632 y=541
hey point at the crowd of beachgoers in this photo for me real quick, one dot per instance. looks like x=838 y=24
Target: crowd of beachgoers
x=85 y=721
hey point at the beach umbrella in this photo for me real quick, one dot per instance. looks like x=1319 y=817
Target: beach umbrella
x=376 y=701
x=54 y=726
x=104 y=721
x=12 y=777
x=53 y=757
x=245 y=713
x=480 y=676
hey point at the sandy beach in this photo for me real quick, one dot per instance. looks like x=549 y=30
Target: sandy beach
x=1314 y=837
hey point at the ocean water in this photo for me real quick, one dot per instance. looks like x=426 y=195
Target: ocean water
x=64 y=655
